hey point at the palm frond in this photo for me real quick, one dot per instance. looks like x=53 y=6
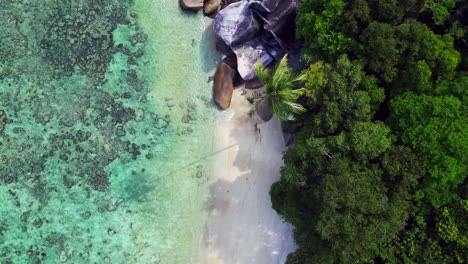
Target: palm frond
x=279 y=89
x=262 y=73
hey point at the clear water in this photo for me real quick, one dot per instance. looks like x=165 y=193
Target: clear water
x=106 y=121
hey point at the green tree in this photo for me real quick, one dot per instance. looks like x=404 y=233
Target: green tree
x=440 y=9
x=416 y=245
x=395 y=11
x=279 y=94
x=369 y=140
x=318 y=25
x=452 y=227
x=435 y=127
x=359 y=190
x=343 y=93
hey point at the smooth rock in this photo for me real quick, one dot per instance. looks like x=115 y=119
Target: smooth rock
x=223 y=85
x=236 y=23
x=248 y=54
x=191 y=5
x=211 y=7
x=258 y=30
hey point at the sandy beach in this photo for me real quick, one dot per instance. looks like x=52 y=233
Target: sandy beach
x=242 y=227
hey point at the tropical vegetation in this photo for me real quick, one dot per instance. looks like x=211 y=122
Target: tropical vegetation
x=377 y=172
x=279 y=95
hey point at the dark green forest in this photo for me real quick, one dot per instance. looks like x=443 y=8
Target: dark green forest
x=377 y=171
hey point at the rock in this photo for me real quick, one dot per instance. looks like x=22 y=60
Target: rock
x=221 y=46
x=248 y=54
x=224 y=85
x=257 y=30
x=281 y=20
x=271 y=5
x=236 y=23
x=231 y=60
x=211 y=7
x=253 y=84
x=191 y=5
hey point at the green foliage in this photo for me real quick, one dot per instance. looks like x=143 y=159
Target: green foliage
x=452 y=227
x=356 y=217
x=328 y=178
x=412 y=48
x=345 y=94
x=317 y=25
x=416 y=246
x=357 y=15
x=369 y=140
x=436 y=128
x=377 y=171
x=279 y=89
x=440 y=9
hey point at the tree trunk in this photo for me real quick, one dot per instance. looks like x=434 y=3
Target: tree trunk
x=262 y=110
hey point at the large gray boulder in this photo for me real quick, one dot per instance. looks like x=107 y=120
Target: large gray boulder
x=266 y=5
x=282 y=19
x=248 y=53
x=236 y=23
x=257 y=30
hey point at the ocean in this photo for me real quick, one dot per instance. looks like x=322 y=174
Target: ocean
x=106 y=131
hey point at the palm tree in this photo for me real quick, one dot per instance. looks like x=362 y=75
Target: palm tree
x=279 y=96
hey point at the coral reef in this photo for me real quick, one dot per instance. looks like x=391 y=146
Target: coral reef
x=65 y=117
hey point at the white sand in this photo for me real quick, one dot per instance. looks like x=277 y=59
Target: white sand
x=242 y=227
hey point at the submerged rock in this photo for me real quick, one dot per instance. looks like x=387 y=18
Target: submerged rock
x=224 y=85
x=191 y=5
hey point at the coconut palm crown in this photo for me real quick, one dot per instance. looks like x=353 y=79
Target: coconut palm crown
x=279 y=89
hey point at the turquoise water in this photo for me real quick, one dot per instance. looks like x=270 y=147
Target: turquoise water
x=106 y=124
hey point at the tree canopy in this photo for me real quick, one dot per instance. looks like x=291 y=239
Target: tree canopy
x=377 y=171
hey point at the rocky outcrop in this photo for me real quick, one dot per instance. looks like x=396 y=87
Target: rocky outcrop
x=224 y=85
x=281 y=20
x=191 y=5
x=258 y=30
x=236 y=24
x=211 y=7
x=248 y=53
x=270 y=5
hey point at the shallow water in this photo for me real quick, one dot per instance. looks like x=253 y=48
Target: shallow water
x=106 y=125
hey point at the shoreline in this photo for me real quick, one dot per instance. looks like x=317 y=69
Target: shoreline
x=242 y=227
